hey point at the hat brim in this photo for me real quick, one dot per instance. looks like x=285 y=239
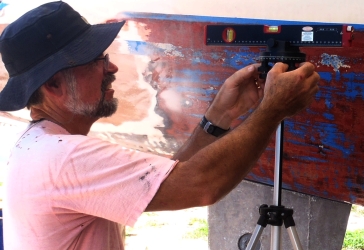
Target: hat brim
x=85 y=48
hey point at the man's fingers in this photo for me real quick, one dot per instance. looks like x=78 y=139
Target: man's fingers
x=307 y=68
x=243 y=74
x=279 y=67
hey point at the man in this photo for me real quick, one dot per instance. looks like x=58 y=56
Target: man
x=65 y=190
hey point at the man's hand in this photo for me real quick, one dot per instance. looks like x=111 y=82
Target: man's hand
x=240 y=93
x=286 y=93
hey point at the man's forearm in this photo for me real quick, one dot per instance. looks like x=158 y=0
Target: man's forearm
x=234 y=155
x=198 y=140
x=216 y=169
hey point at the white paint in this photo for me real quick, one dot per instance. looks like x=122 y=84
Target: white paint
x=172 y=100
x=131 y=34
x=169 y=49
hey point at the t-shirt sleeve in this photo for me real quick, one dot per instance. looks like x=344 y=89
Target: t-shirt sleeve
x=99 y=178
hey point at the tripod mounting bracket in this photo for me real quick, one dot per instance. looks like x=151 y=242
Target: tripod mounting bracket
x=275 y=216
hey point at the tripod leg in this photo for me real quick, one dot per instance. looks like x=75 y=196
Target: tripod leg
x=291 y=229
x=275 y=241
x=254 y=240
x=292 y=232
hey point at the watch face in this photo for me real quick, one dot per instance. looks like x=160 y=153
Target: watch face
x=210 y=129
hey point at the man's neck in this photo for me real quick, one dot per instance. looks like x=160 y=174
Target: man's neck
x=74 y=124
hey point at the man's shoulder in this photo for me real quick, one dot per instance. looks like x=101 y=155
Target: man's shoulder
x=49 y=132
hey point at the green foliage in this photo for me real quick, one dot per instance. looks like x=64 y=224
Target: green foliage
x=155 y=223
x=129 y=231
x=359 y=210
x=354 y=240
x=150 y=214
x=200 y=229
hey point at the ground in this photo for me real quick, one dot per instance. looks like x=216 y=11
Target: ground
x=356 y=219
x=180 y=230
x=168 y=230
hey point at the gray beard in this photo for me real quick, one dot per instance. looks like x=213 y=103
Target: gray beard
x=100 y=109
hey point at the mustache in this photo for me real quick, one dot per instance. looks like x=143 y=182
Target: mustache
x=109 y=78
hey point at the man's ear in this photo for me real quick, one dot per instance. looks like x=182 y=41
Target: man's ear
x=54 y=86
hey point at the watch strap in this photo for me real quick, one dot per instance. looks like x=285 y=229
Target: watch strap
x=210 y=128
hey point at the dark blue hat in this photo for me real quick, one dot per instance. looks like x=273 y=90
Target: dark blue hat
x=44 y=41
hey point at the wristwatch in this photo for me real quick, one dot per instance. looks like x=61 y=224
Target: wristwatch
x=211 y=129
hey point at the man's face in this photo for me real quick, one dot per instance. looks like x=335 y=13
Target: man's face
x=90 y=92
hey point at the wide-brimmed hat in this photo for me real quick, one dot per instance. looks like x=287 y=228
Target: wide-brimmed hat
x=44 y=41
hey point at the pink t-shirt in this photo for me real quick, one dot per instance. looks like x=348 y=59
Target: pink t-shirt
x=67 y=191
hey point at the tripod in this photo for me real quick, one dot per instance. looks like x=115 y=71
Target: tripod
x=276 y=214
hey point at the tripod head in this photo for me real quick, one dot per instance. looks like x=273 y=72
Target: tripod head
x=279 y=51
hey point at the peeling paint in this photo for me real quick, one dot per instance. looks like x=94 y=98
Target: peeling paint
x=170 y=49
x=167 y=78
x=319 y=142
x=333 y=61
